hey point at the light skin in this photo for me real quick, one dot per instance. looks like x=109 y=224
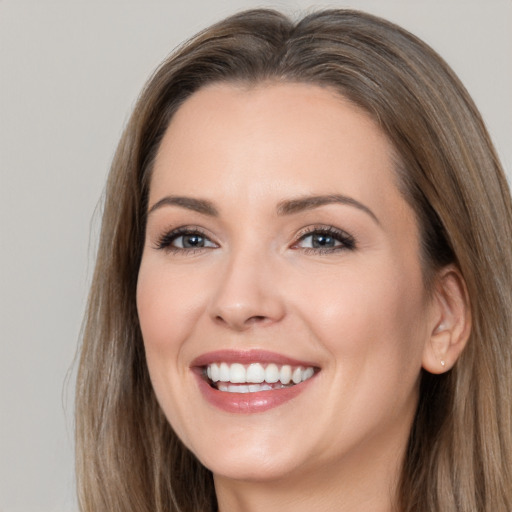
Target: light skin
x=336 y=281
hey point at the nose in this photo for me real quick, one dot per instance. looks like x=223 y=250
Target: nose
x=246 y=294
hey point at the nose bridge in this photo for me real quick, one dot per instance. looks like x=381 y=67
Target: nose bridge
x=246 y=293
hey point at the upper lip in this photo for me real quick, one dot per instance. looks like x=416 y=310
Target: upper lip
x=247 y=357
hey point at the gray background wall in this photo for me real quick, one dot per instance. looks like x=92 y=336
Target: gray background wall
x=69 y=74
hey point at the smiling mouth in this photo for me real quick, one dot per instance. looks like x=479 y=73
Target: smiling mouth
x=255 y=377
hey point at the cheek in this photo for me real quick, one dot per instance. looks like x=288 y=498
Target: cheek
x=167 y=306
x=167 y=310
x=375 y=317
x=373 y=328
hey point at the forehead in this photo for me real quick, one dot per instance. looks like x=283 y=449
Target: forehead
x=301 y=131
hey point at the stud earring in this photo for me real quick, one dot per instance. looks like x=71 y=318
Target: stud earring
x=439 y=328
x=443 y=363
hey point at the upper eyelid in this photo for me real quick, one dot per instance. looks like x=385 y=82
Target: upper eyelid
x=323 y=229
x=185 y=229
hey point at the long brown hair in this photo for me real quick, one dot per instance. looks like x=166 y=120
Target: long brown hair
x=459 y=456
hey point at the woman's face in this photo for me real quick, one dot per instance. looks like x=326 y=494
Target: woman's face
x=280 y=256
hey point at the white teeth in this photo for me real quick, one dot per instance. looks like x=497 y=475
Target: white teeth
x=285 y=375
x=224 y=372
x=238 y=389
x=252 y=388
x=271 y=373
x=215 y=372
x=256 y=374
x=307 y=374
x=237 y=373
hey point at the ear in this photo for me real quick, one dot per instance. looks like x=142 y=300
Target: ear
x=450 y=324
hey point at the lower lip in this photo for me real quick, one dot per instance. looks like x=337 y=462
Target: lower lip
x=249 y=403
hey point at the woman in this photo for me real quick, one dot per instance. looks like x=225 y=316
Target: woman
x=302 y=295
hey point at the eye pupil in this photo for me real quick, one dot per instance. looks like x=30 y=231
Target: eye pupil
x=193 y=241
x=321 y=240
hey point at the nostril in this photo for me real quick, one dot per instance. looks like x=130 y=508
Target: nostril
x=242 y=323
x=255 y=319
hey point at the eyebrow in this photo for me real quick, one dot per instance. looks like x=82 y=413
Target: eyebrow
x=197 y=205
x=289 y=207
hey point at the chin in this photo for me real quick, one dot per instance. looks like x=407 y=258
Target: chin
x=250 y=460
x=254 y=469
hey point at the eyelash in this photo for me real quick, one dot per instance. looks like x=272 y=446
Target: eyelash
x=166 y=240
x=347 y=242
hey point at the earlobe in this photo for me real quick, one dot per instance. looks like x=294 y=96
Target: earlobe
x=450 y=321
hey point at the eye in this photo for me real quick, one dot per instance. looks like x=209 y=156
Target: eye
x=184 y=239
x=325 y=239
x=191 y=241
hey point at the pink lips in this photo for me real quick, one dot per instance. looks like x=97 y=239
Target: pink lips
x=247 y=403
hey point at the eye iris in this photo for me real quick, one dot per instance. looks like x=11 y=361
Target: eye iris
x=322 y=240
x=190 y=241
